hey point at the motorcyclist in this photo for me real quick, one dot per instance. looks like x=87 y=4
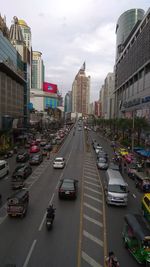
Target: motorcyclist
x=112 y=260
x=50 y=212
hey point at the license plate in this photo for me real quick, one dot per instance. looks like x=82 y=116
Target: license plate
x=67 y=192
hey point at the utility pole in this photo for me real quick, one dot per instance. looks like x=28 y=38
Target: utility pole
x=133 y=118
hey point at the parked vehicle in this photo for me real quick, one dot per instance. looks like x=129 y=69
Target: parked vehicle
x=36 y=159
x=22 y=156
x=98 y=149
x=136 y=238
x=9 y=154
x=68 y=188
x=115 y=188
x=59 y=163
x=102 y=164
x=17 y=204
x=23 y=170
x=145 y=203
x=142 y=181
x=4 y=168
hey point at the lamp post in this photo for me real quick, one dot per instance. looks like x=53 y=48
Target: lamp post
x=132 y=142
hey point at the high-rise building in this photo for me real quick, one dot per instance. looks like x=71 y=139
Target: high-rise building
x=17 y=39
x=126 y=25
x=37 y=70
x=12 y=85
x=132 y=74
x=68 y=102
x=81 y=92
x=26 y=32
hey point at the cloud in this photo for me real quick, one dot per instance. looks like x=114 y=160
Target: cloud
x=70 y=32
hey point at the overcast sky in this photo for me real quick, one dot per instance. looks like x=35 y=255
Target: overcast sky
x=69 y=32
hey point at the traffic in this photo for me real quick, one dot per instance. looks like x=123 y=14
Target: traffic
x=64 y=192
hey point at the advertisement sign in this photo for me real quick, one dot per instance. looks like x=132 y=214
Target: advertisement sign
x=50 y=88
x=50 y=102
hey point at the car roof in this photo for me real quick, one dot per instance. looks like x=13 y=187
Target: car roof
x=115 y=177
x=3 y=162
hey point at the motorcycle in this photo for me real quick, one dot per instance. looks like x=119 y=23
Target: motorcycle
x=50 y=220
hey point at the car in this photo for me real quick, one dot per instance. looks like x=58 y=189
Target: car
x=4 y=168
x=98 y=149
x=102 y=164
x=34 y=149
x=22 y=156
x=36 y=159
x=102 y=154
x=59 y=163
x=22 y=170
x=68 y=188
x=145 y=205
x=43 y=142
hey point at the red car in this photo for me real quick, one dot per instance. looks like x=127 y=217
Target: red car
x=34 y=149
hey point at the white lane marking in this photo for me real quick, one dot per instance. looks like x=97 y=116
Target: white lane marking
x=134 y=195
x=94 y=198
x=90 y=178
x=29 y=254
x=92 y=220
x=90 y=171
x=2 y=219
x=89 y=260
x=92 y=208
x=89 y=164
x=92 y=190
x=42 y=222
x=92 y=184
x=44 y=217
x=93 y=238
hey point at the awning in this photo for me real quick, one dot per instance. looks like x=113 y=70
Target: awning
x=144 y=153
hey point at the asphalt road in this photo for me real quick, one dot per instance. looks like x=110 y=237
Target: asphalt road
x=26 y=242
x=80 y=236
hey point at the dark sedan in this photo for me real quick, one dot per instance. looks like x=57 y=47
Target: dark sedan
x=22 y=157
x=36 y=159
x=23 y=170
x=68 y=188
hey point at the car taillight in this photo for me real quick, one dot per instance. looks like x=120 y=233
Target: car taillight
x=61 y=190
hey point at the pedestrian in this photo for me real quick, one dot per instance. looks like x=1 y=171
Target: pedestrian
x=112 y=260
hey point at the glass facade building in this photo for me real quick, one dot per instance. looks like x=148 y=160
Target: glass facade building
x=126 y=23
x=132 y=74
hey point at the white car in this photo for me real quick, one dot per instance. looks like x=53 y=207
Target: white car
x=98 y=149
x=59 y=163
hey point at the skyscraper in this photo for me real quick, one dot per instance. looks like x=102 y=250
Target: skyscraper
x=81 y=92
x=37 y=70
x=126 y=25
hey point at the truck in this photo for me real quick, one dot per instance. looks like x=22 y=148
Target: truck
x=17 y=204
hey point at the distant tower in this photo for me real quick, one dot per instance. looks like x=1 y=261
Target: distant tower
x=126 y=24
x=37 y=70
x=81 y=92
x=26 y=32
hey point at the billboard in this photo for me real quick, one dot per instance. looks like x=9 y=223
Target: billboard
x=50 y=88
x=50 y=102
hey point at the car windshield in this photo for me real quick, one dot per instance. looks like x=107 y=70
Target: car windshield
x=67 y=186
x=115 y=188
x=102 y=160
x=58 y=160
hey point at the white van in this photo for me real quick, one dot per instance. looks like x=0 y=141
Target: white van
x=4 y=168
x=116 y=189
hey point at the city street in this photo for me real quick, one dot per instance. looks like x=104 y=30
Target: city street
x=78 y=235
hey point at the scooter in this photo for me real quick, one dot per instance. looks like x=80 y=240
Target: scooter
x=49 y=221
